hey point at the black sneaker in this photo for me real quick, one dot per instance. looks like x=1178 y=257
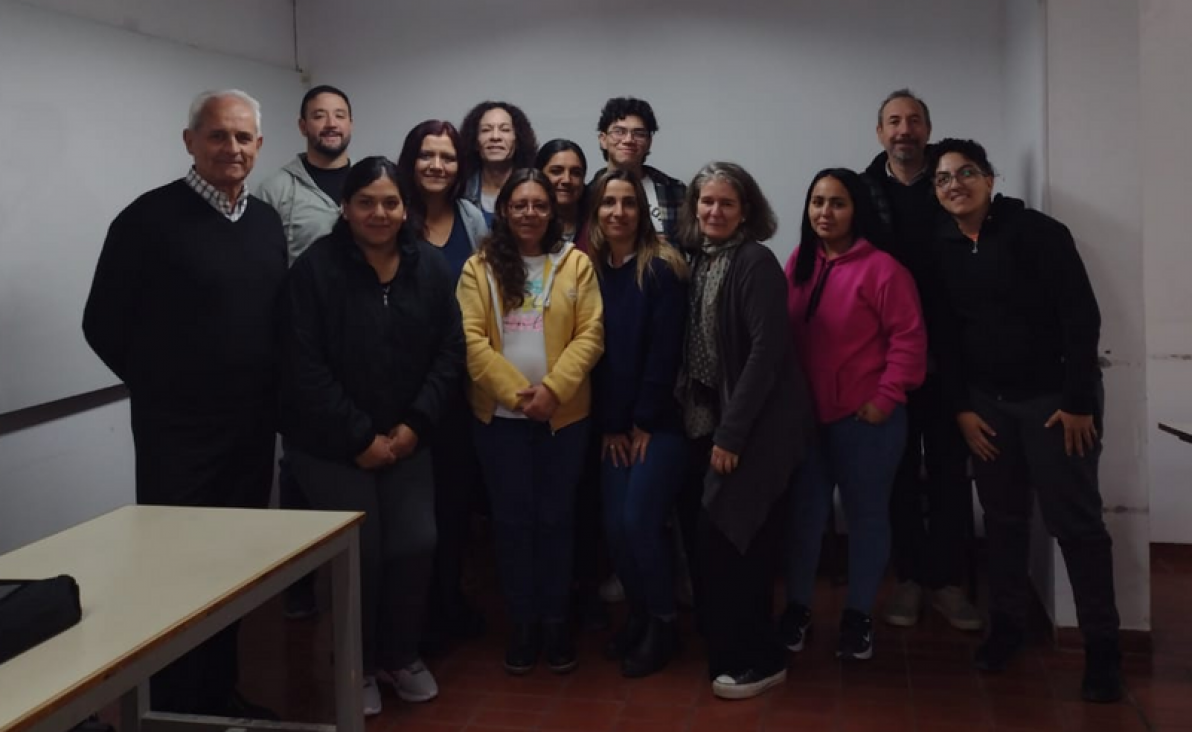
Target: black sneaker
x=627 y=636
x=748 y=684
x=525 y=643
x=856 y=636
x=1003 y=641
x=794 y=627
x=1102 y=682
x=560 y=648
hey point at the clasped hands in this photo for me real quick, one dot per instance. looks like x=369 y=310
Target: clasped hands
x=537 y=402
x=398 y=444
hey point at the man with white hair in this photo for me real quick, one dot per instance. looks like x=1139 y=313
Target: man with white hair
x=182 y=310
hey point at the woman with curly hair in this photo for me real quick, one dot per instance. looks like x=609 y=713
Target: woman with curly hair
x=533 y=324
x=497 y=139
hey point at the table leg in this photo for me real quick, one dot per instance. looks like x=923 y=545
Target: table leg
x=345 y=609
x=134 y=704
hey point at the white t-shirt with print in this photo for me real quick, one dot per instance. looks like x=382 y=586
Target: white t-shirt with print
x=652 y=201
x=523 y=341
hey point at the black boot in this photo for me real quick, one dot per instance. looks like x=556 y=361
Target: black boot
x=657 y=647
x=1004 y=639
x=560 y=648
x=1102 y=672
x=627 y=637
x=525 y=643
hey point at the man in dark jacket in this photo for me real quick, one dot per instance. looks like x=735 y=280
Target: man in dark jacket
x=928 y=555
x=182 y=310
x=1019 y=345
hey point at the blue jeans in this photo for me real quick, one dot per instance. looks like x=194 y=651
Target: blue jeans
x=532 y=474
x=862 y=459
x=638 y=500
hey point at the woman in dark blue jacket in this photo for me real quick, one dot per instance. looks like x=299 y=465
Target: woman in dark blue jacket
x=372 y=351
x=643 y=448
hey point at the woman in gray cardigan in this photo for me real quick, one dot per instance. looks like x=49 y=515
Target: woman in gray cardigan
x=747 y=413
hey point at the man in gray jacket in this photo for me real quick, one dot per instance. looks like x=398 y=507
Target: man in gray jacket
x=306 y=190
x=306 y=193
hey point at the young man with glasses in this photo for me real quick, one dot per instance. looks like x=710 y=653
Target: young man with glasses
x=929 y=546
x=626 y=132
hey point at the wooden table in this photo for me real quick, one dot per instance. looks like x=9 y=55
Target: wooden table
x=155 y=581
x=1182 y=431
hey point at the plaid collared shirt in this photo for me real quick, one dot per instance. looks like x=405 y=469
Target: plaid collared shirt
x=218 y=200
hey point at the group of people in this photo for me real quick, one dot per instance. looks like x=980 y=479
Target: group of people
x=620 y=356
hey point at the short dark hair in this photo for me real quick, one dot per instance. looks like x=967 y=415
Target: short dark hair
x=499 y=249
x=970 y=149
x=903 y=94
x=760 y=222
x=408 y=158
x=323 y=89
x=621 y=107
x=525 y=144
x=866 y=224
x=362 y=175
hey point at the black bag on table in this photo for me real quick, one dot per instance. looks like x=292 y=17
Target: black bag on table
x=32 y=611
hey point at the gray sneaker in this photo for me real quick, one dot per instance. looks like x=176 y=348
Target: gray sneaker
x=902 y=609
x=414 y=683
x=372 y=697
x=956 y=609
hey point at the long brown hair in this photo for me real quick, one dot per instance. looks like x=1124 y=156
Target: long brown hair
x=646 y=244
x=499 y=249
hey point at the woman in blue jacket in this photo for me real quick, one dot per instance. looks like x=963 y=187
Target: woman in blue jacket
x=643 y=448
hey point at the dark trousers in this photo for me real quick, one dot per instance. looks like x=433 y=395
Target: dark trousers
x=397 y=545
x=590 y=549
x=933 y=471
x=457 y=479
x=1031 y=463
x=531 y=474
x=688 y=506
x=221 y=460
x=638 y=501
x=737 y=596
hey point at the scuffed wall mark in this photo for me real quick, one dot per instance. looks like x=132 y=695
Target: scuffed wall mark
x=1171 y=356
x=1137 y=510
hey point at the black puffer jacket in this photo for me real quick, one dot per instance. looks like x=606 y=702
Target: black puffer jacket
x=357 y=362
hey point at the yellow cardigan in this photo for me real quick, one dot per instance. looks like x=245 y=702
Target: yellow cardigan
x=573 y=328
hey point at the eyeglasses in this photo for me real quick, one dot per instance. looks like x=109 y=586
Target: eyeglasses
x=620 y=133
x=965 y=174
x=527 y=208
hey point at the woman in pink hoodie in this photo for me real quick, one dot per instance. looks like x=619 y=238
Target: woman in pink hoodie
x=858 y=330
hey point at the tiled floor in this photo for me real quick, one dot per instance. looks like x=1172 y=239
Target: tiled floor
x=920 y=679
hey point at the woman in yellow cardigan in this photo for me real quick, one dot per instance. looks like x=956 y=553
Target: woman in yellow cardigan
x=533 y=323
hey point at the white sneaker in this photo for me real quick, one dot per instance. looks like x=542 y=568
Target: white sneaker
x=414 y=683
x=611 y=590
x=372 y=697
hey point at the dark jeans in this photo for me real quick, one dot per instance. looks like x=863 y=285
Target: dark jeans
x=590 y=549
x=457 y=481
x=737 y=596
x=397 y=545
x=934 y=467
x=638 y=500
x=688 y=507
x=531 y=474
x=202 y=460
x=860 y=459
x=1031 y=463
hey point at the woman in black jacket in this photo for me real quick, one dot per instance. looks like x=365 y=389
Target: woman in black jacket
x=1019 y=355
x=747 y=413
x=372 y=351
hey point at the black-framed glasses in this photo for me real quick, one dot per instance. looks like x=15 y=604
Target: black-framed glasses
x=639 y=134
x=965 y=174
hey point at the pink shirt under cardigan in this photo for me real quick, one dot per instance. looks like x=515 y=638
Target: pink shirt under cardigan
x=866 y=341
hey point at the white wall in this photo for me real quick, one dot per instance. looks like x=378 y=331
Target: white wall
x=1095 y=169
x=64 y=471
x=783 y=88
x=1166 y=111
x=262 y=30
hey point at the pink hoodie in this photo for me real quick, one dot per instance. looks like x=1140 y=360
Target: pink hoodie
x=866 y=341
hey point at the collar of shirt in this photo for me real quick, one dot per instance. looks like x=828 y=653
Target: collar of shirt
x=218 y=199
x=914 y=179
